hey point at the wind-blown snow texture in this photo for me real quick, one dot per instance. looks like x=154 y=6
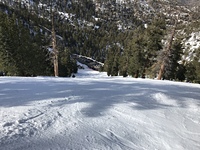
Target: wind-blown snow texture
x=93 y=111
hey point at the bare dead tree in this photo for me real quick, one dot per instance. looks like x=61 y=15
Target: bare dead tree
x=167 y=51
x=54 y=46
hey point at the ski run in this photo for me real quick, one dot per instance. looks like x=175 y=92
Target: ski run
x=96 y=112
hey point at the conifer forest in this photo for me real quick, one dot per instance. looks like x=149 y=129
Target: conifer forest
x=141 y=39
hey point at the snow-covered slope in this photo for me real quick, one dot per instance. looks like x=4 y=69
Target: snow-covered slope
x=191 y=45
x=89 y=73
x=87 y=113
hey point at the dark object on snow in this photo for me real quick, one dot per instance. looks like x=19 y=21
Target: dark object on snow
x=80 y=67
x=2 y=73
x=73 y=76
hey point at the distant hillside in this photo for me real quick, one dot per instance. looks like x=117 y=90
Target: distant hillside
x=190 y=2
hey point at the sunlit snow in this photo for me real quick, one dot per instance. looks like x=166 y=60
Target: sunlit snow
x=93 y=111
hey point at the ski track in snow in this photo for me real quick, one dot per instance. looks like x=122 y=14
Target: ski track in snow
x=98 y=112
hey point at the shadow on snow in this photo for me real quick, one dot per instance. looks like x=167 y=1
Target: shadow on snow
x=101 y=95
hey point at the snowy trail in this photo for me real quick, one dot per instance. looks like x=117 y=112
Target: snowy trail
x=98 y=112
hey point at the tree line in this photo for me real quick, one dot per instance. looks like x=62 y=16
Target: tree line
x=26 y=47
x=138 y=51
x=154 y=51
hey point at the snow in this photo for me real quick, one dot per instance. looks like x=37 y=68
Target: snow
x=191 y=45
x=89 y=73
x=93 y=111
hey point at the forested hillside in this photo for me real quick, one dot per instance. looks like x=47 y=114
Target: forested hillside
x=136 y=38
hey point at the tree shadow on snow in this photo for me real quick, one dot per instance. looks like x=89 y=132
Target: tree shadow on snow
x=100 y=95
x=143 y=96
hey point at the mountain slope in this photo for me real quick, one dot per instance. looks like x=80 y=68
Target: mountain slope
x=106 y=30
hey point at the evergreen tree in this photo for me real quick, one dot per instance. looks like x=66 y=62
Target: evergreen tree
x=8 y=51
x=193 y=67
x=172 y=65
x=2 y=47
x=41 y=53
x=111 y=65
x=67 y=65
x=137 y=62
x=197 y=65
x=21 y=53
x=115 y=66
x=123 y=65
x=190 y=72
x=109 y=62
x=154 y=35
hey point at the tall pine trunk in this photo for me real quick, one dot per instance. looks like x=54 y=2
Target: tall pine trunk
x=168 y=50
x=54 y=46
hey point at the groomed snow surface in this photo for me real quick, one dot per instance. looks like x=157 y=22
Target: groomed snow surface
x=96 y=112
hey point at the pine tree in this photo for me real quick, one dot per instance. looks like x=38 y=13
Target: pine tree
x=53 y=15
x=123 y=65
x=154 y=35
x=115 y=66
x=10 y=32
x=190 y=72
x=133 y=61
x=197 y=65
x=192 y=68
x=109 y=62
x=2 y=47
x=67 y=65
x=21 y=53
x=172 y=65
x=167 y=52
